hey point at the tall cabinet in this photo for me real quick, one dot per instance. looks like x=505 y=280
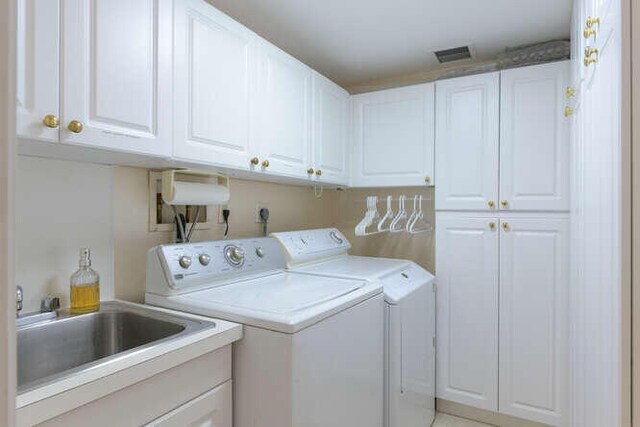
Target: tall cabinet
x=502 y=236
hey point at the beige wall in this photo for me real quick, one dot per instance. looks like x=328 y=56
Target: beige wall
x=350 y=209
x=291 y=208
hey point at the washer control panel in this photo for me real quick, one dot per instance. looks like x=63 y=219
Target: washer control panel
x=311 y=245
x=204 y=263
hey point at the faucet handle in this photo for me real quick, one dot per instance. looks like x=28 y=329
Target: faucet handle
x=19 y=298
x=49 y=303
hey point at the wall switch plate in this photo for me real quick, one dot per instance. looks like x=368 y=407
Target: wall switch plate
x=259 y=206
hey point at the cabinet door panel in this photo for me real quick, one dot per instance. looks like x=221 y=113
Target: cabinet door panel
x=214 y=70
x=37 y=72
x=117 y=74
x=467 y=142
x=211 y=409
x=534 y=138
x=330 y=137
x=283 y=112
x=394 y=137
x=534 y=319
x=467 y=324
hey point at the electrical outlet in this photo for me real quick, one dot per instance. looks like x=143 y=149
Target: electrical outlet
x=259 y=206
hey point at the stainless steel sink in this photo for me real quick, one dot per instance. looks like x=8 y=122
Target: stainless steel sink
x=54 y=349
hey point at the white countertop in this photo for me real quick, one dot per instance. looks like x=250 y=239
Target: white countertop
x=108 y=378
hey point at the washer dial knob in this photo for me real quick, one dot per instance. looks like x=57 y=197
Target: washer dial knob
x=234 y=255
x=185 y=261
x=204 y=259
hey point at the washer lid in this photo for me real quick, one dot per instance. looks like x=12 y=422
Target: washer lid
x=284 y=302
x=368 y=268
x=280 y=293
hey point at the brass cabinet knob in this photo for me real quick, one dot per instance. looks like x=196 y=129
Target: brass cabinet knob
x=506 y=226
x=491 y=204
x=255 y=161
x=265 y=163
x=588 y=32
x=590 y=51
x=589 y=57
x=571 y=92
x=505 y=203
x=319 y=172
x=75 y=126
x=589 y=61
x=51 y=121
x=492 y=226
x=568 y=111
x=310 y=171
x=591 y=22
x=427 y=180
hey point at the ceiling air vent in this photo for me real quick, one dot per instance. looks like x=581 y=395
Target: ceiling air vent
x=455 y=54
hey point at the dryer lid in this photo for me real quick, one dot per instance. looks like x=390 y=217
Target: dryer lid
x=368 y=268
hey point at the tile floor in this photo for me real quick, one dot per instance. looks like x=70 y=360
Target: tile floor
x=444 y=420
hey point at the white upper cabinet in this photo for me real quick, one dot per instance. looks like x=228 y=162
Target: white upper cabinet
x=467 y=142
x=38 y=80
x=281 y=128
x=393 y=133
x=330 y=162
x=116 y=75
x=534 y=138
x=467 y=301
x=214 y=60
x=534 y=319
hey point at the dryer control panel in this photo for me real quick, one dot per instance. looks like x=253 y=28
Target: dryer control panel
x=308 y=246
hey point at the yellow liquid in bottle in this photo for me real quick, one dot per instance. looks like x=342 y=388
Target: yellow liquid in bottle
x=85 y=299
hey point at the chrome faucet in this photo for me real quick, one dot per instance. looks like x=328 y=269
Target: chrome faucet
x=19 y=298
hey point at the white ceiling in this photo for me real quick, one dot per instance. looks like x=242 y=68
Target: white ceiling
x=355 y=41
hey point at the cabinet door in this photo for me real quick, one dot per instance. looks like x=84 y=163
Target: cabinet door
x=467 y=142
x=534 y=138
x=394 y=137
x=330 y=137
x=37 y=72
x=116 y=72
x=467 y=324
x=534 y=319
x=211 y=409
x=214 y=73
x=282 y=131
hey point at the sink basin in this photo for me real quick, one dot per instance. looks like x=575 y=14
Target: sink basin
x=51 y=350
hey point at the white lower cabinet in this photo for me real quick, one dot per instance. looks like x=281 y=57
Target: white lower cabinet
x=196 y=393
x=467 y=323
x=503 y=315
x=212 y=409
x=534 y=318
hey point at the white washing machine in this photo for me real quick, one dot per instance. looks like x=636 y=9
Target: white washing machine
x=311 y=353
x=409 y=317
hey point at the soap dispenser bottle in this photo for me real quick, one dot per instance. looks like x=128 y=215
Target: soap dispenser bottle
x=85 y=286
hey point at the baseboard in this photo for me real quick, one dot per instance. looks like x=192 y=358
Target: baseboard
x=483 y=416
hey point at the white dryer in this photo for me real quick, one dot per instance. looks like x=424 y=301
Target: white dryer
x=409 y=316
x=311 y=353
